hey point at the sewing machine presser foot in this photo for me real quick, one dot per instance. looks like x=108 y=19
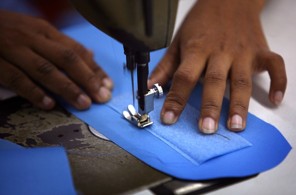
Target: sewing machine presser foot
x=135 y=118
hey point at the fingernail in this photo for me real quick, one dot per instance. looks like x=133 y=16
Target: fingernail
x=83 y=101
x=47 y=102
x=107 y=83
x=278 y=97
x=169 y=118
x=104 y=94
x=208 y=125
x=236 y=122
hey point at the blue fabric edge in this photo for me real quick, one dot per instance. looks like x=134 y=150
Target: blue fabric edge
x=248 y=161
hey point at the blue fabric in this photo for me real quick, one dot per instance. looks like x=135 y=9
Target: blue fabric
x=268 y=149
x=183 y=136
x=5 y=144
x=34 y=171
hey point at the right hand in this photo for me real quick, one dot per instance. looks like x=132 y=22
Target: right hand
x=35 y=57
x=222 y=41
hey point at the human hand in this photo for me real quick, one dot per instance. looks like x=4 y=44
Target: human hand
x=219 y=40
x=35 y=57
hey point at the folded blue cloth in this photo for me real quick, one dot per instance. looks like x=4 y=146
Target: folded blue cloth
x=164 y=155
x=34 y=170
x=184 y=136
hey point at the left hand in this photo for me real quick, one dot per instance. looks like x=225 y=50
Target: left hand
x=219 y=40
x=35 y=58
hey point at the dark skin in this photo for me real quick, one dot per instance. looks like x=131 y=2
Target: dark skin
x=35 y=56
x=221 y=42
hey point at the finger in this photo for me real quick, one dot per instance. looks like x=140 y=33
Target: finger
x=85 y=54
x=87 y=57
x=48 y=32
x=75 y=67
x=240 y=92
x=213 y=92
x=275 y=66
x=17 y=81
x=184 y=80
x=105 y=79
x=167 y=66
x=44 y=72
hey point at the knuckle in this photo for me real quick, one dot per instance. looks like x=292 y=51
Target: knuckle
x=69 y=56
x=15 y=80
x=92 y=78
x=277 y=59
x=210 y=106
x=194 y=45
x=44 y=67
x=241 y=82
x=175 y=101
x=32 y=92
x=9 y=43
x=239 y=106
x=81 y=50
x=97 y=70
x=13 y=39
x=185 y=75
x=241 y=46
x=215 y=77
x=42 y=22
x=69 y=89
x=42 y=26
x=67 y=86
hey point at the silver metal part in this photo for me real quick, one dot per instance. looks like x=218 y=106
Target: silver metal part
x=156 y=91
x=141 y=118
x=135 y=118
x=97 y=133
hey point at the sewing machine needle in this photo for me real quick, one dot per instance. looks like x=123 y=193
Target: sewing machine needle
x=133 y=87
x=131 y=65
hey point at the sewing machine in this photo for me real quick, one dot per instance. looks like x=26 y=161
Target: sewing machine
x=141 y=26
